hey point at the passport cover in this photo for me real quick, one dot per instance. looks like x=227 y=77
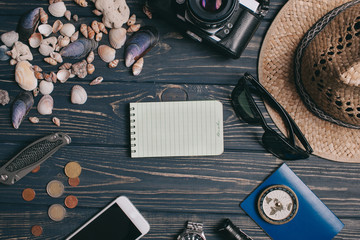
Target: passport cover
x=313 y=219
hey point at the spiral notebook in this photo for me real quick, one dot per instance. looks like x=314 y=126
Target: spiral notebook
x=188 y=128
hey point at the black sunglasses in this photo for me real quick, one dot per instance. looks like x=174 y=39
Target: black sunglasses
x=246 y=108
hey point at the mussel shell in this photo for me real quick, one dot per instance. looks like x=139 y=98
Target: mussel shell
x=79 y=49
x=21 y=106
x=140 y=43
x=28 y=24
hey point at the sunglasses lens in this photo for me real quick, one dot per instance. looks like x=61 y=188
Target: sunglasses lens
x=278 y=146
x=245 y=107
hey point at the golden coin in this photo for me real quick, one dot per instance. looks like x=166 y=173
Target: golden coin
x=36 y=230
x=71 y=201
x=73 y=169
x=55 y=188
x=35 y=170
x=28 y=194
x=74 y=181
x=56 y=212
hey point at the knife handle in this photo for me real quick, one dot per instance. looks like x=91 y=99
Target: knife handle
x=31 y=157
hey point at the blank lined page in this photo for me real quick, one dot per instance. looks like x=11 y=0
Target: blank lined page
x=188 y=128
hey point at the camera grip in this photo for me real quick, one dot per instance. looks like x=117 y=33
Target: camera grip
x=241 y=34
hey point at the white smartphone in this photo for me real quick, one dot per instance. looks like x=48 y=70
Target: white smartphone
x=119 y=220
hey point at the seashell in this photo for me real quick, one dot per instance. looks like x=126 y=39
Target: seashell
x=78 y=95
x=79 y=49
x=36 y=68
x=117 y=37
x=53 y=77
x=35 y=40
x=50 y=61
x=9 y=38
x=76 y=18
x=57 y=9
x=45 y=105
x=97 y=12
x=74 y=37
x=67 y=15
x=24 y=76
x=90 y=57
x=83 y=30
x=36 y=92
x=91 y=32
x=96 y=81
x=45 y=29
x=139 y=44
x=147 y=11
x=56 y=121
x=65 y=66
x=13 y=62
x=21 y=52
x=102 y=27
x=3 y=56
x=82 y=3
x=98 y=36
x=21 y=106
x=28 y=24
x=131 y=20
x=39 y=75
x=114 y=63
x=4 y=97
x=63 y=75
x=90 y=68
x=95 y=26
x=51 y=41
x=67 y=30
x=45 y=50
x=133 y=28
x=63 y=41
x=57 y=57
x=106 y=53
x=57 y=26
x=46 y=87
x=138 y=66
x=34 y=119
x=80 y=69
x=43 y=16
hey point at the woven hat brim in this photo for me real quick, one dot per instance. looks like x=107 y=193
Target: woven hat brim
x=276 y=74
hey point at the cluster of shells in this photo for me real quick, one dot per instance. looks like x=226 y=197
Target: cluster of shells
x=55 y=49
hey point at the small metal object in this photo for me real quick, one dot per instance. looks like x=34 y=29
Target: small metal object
x=233 y=231
x=31 y=157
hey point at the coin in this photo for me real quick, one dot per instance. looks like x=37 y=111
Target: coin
x=56 y=212
x=36 y=230
x=55 y=188
x=74 y=181
x=35 y=170
x=73 y=169
x=28 y=194
x=71 y=201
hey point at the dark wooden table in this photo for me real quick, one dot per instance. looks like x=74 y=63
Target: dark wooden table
x=168 y=191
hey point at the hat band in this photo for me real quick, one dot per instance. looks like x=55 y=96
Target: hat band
x=309 y=36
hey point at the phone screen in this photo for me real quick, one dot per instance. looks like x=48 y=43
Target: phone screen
x=111 y=224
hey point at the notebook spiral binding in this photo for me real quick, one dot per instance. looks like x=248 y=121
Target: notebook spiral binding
x=132 y=130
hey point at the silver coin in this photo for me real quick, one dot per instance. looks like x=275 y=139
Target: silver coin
x=55 y=188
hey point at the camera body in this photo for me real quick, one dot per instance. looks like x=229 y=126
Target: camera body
x=227 y=25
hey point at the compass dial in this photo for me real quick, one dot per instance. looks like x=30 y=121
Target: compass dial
x=278 y=204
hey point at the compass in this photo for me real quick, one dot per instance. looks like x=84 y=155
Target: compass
x=278 y=204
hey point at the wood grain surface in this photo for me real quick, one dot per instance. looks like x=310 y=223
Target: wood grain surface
x=168 y=191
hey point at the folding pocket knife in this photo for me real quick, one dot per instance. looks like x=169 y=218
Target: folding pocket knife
x=31 y=157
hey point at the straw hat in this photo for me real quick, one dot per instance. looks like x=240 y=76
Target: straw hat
x=310 y=63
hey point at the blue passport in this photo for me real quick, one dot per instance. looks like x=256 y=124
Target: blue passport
x=299 y=214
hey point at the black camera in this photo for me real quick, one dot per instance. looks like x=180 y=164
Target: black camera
x=227 y=25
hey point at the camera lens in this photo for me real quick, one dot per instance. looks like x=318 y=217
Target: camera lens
x=211 y=13
x=211 y=5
